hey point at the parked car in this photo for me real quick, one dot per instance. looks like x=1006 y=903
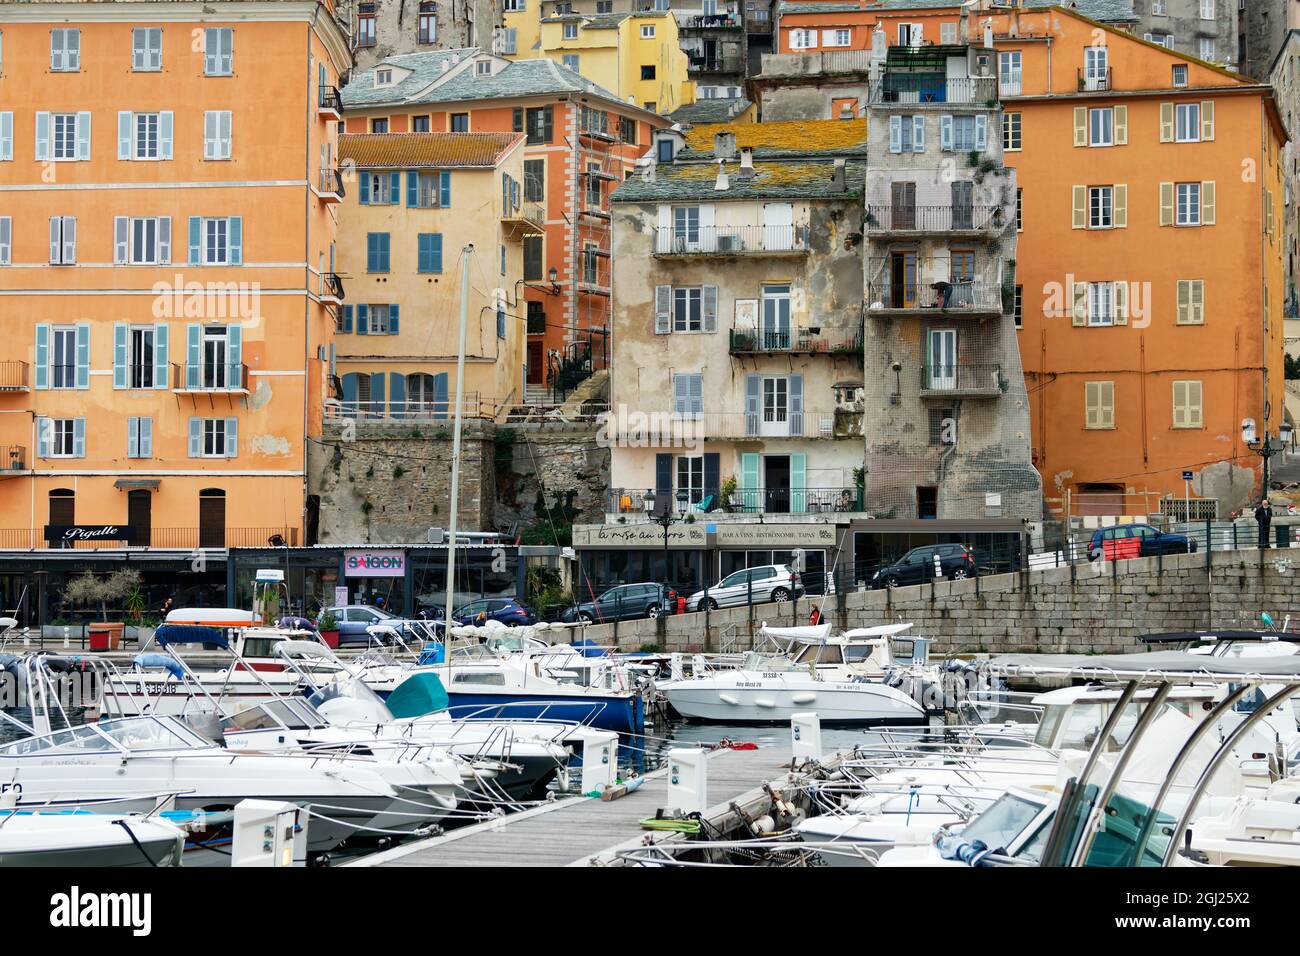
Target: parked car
x=627 y=602
x=506 y=610
x=355 y=618
x=766 y=582
x=956 y=561
x=1137 y=541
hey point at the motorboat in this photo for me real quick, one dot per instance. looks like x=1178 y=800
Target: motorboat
x=81 y=838
x=843 y=679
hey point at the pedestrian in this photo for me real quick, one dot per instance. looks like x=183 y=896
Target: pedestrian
x=166 y=608
x=815 y=617
x=1263 y=517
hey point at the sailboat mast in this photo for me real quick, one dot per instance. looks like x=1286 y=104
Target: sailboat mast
x=466 y=253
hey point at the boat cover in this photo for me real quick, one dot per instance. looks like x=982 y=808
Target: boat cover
x=420 y=694
x=588 y=648
x=190 y=634
x=150 y=659
x=1176 y=666
x=811 y=633
x=1184 y=637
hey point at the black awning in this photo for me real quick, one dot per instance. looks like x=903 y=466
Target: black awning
x=135 y=484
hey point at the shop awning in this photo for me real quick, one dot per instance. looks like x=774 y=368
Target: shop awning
x=135 y=484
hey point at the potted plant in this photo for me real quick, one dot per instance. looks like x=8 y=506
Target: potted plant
x=727 y=491
x=89 y=589
x=328 y=626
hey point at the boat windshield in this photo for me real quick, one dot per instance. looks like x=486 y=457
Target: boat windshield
x=756 y=661
x=1002 y=822
x=77 y=739
x=1074 y=726
x=152 y=733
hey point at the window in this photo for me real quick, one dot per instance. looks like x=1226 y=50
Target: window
x=570 y=31
x=61 y=437
x=1101 y=207
x=690 y=478
x=604 y=6
x=218 y=51
x=216 y=241
x=1187 y=123
x=216 y=437
x=1188 y=209
x=365 y=29
x=146 y=49
x=379 y=124
x=68 y=137
x=832 y=38
x=216 y=357
x=63 y=240
x=947 y=33
x=63 y=356
x=460 y=122
x=379 y=189
x=533 y=259
x=907 y=134
x=1191 y=302
x=803 y=39
x=1158 y=8
x=962 y=133
x=648 y=72
x=216 y=134
x=429 y=252
x=535 y=180
x=1207 y=48
x=1011 y=131
x=647 y=31
x=65 y=50
x=687 y=314
x=570 y=61
x=594 y=192
x=140 y=370
x=145 y=141
x=627 y=130
x=943 y=426
x=383 y=77
x=377 y=251
x=776 y=399
x=420 y=124
x=427 y=25
x=507 y=41
x=1096 y=73
x=1207 y=9
x=537 y=122
x=1099 y=404
x=380 y=320
x=1187 y=405
x=1165 y=40
x=665 y=152
x=1018 y=310
x=688 y=392
x=1101 y=303
x=1180 y=74
x=1009 y=73
x=1020 y=205
x=536 y=318
x=139 y=438
x=686 y=228
x=428 y=189
x=483 y=68
x=1101 y=127
x=591 y=264
x=142 y=241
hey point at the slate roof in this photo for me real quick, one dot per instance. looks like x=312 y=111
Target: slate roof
x=782 y=139
x=1106 y=11
x=783 y=180
x=517 y=78
x=433 y=150
x=710 y=111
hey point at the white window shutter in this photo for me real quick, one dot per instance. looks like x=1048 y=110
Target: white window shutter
x=165 y=134
x=663 y=309
x=895 y=134
x=945 y=133
x=69 y=240
x=125 y=127
x=83 y=135
x=42 y=136
x=981 y=131
x=164 y=240
x=664 y=235
x=56 y=239
x=6 y=136
x=121 y=238
x=6 y=240
x=709 y=308
x=918 y=134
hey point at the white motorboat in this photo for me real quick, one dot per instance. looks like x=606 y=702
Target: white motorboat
x=842 y=679
x=81 y=838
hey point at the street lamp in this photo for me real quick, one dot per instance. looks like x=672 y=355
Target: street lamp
x=665 y=520
x=1266 y=447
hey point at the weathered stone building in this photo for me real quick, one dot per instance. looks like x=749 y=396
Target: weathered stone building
x=948 y=433
x=384 y=28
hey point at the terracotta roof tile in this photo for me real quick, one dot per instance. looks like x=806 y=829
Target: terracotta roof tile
x=783 y=138
x=415 y=150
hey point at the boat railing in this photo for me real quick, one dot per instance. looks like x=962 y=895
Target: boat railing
x=492 y=712
x=664 y=852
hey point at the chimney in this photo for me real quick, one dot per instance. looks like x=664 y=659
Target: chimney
x=724 y=146
x=837 y=176
x=647 y=164
x=722 y=184
x=746 y=163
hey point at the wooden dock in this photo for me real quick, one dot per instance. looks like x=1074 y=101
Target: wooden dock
x=581 y=831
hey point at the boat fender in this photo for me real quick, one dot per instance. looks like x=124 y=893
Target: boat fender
x=728 y=699
x=764 y=702
x=806 y=698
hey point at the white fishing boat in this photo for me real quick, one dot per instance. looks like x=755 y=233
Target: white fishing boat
x=843 y=679
x=84 y=838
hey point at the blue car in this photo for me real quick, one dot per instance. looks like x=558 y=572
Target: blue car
x=1137 y=541
x=506 y=610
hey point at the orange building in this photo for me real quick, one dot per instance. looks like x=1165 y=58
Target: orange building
x=167 y=208
x=581 y=140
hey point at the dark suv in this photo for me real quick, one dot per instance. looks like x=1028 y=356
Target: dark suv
x=917 y=566
x=626 y=602
x=1137 y=541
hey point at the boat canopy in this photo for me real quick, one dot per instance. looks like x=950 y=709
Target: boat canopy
x=880 y=630
x=168 y=634
x=1173 y=666
x=210 y=616
x=150 y=659
x=1187 y=637
x=808 y=634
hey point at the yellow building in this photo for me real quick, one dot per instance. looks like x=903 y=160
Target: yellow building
x=167 y=191
x=415 y=201
x=635 y=54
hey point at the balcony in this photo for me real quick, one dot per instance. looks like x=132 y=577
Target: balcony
x=1092 y=81
x=474 y=406
x=210 y=379
x=810 y=340
x=329 y=102
x=14 y=376
x=702 y=63
x=180 y=539
x=526 y=219
x=331 y=288
x=627 y=502
x=708 y=22
x=903 y=299
x=671 y=428
x=727 y=241
x=962 y=381
x=934 y=89
x=956 y=221
x=15 y=463
x=330 y=185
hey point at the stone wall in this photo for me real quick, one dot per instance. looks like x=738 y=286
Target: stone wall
x=1083 y=608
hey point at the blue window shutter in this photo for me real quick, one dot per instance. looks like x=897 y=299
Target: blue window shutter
x=395 y=188
x=43 y=356
x=192 y=333
x=232 y=437
x=440 y=395
x=753 y=402
x=664 y=483
x=347 y=318
x=798 y=483
x=363 y=320
x=383 y=251
x=235 y=342
x=412 y=188
x=422 y=252
x=365 y=189
x=133 y=437
x=119 y=354
x=196 y=233
x=78 y=438
x=712 y=468
x=146 y=438
x=44 y=432
x=397 y=393
x=236 y=240
x=196 y=437
x=436 y=254
x=501 y=322
x=444 y=189
x=749 y=480
x=83 y=355
x=392 y=319
x=796 y=405
x=160 y=355
x=377 y=394
x=350 y=389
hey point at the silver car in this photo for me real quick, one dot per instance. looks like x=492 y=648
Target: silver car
x=766 y=582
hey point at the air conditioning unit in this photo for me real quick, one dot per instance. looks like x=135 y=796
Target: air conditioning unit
x=729 y=243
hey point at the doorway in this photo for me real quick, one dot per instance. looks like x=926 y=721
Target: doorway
x=536 y=364
x=902 y=205
x=63 y=511
x=212 y=518
x=776 y=483
x=902 y=280
x=927 y=502
x=139 y=516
